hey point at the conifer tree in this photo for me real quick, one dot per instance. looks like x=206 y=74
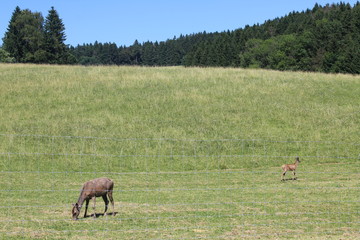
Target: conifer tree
x=24 y=38
x=55 y=38
x=11 y=41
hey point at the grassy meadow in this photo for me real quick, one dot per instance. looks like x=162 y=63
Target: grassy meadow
x=195 y=153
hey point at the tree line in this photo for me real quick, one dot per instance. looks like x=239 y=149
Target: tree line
x=324 y=38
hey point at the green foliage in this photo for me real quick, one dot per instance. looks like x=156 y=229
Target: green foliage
x=5 y=57
x=25 y=35
x=285 y=52
x=324 y=39
x=55 y=38
x=28 y=39
x=11 y=41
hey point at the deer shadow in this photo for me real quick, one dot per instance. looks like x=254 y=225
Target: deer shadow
x=100 y=215
x=289 y=179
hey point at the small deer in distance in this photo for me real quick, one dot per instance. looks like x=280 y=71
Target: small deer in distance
x=290 y=167
x=99 y=187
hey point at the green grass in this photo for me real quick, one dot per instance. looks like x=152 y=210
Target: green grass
x=194 y=152
x=187 y=205
x=175 y=102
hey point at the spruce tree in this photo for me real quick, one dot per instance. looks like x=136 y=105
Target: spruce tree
x=55 y=38
x=11 y=40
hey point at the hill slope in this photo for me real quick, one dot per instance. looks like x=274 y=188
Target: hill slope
x=186 y=103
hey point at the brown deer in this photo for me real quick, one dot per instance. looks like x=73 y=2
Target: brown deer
x=99 y=187
x=290 y=167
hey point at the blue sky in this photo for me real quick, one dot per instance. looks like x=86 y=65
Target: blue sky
x=124 y=21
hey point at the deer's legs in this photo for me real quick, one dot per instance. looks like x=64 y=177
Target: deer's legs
x=86 y=207
x=283 y=175
x=294 y=175
x=111 y=200
x=94 y=206
x=106 y=203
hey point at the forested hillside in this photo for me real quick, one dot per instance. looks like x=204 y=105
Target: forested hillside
x=324 y=38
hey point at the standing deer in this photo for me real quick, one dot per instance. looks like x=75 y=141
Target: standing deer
x=99 y=187
x=290 y=167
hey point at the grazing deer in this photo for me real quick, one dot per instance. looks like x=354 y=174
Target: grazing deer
x=99 y=187
x=290 y=167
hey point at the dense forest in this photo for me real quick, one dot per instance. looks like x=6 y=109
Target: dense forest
x=324 y=38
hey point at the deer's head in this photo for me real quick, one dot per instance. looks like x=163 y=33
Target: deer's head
x=75 y=211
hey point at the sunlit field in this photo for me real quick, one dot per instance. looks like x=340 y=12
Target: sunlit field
x=195 y=153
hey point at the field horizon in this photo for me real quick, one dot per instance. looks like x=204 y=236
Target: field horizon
x=195 y=153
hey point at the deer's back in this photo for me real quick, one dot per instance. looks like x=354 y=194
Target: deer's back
x=98 y=187
x=288 y=167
